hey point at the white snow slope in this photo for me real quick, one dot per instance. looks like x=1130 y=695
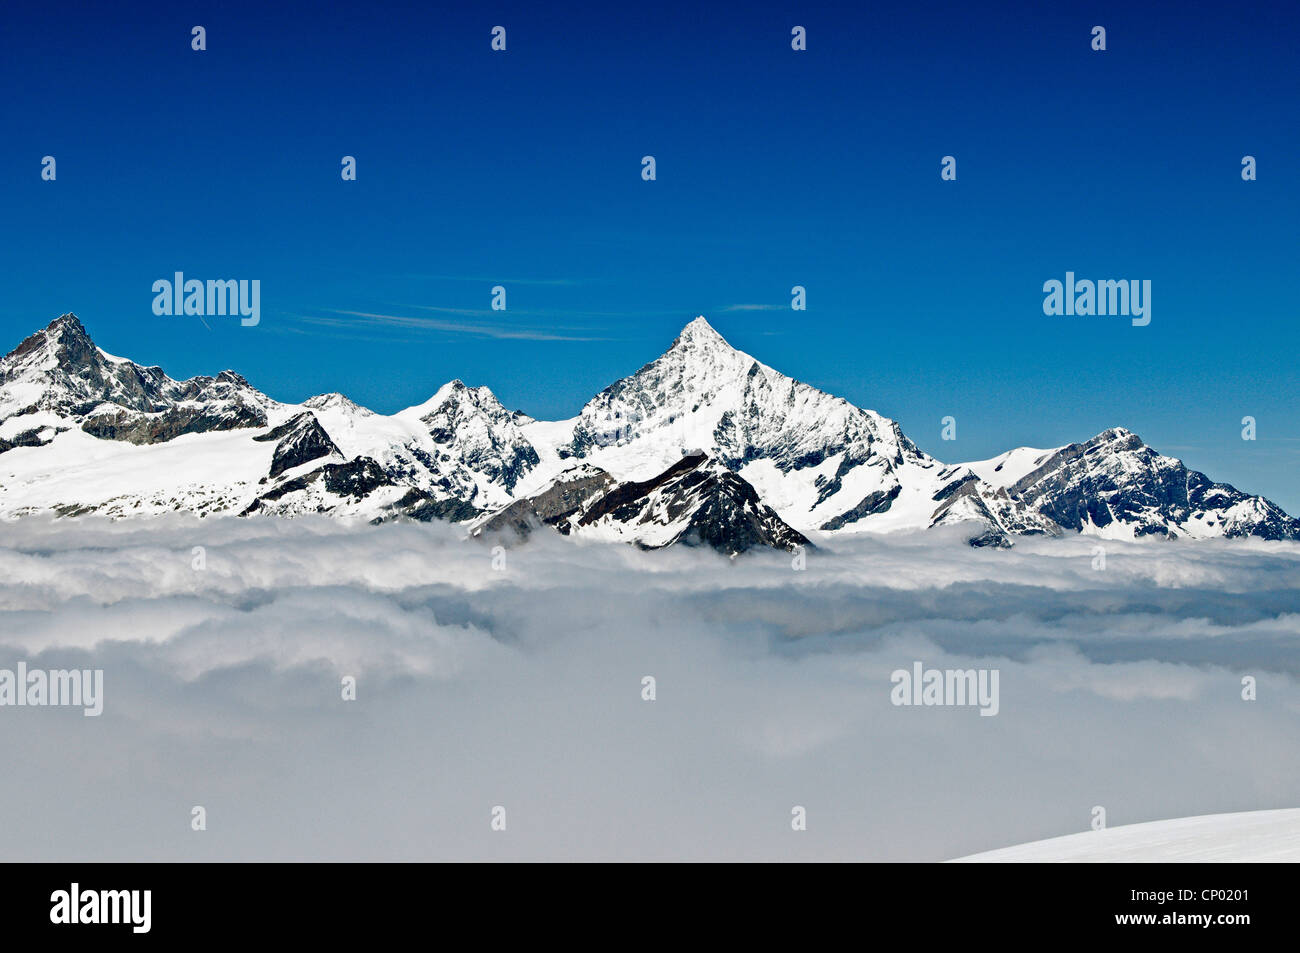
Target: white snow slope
x=1251 y=836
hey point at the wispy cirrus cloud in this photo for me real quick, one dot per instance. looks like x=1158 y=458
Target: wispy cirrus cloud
x=754 y=307
x=499 y=280
x=466 y=321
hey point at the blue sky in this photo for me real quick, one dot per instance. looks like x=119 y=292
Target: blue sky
x=775 y=168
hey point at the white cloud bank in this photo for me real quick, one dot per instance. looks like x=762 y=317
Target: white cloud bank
x=522 y=688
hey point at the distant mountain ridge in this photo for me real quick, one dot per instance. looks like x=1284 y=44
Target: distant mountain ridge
x=705 y=445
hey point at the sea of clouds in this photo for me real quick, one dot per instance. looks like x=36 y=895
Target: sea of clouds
x=521 y=687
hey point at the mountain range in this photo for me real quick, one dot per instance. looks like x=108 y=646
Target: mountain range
x=705 y=445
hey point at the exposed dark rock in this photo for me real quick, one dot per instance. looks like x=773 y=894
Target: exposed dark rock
x=28 y=438
x=1115 y=477
x=119 y=399
x=878 y=502
x=354 y=479
x=714 y=506
x=301 y=440
x=474 y=428
x=633 y=493
x=171 y=423
x=564 y=498
x=418 y=505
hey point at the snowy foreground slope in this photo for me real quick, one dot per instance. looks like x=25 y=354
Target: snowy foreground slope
x=704 y=445
x=1252 y=836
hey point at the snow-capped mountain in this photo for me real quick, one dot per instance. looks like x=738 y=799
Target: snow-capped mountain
x=813 y=456
x=58 y=377
x=469 y=424
x=704 y=444
x=120 y=439
x=1115 y=485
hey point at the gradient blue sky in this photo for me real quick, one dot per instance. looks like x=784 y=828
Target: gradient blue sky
x=775 y=168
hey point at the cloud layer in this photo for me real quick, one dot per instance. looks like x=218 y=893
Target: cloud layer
x=521 y=687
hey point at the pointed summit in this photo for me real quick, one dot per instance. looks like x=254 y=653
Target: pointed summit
x=700 y=333
x=71 y=343
x=700 y=359
x=333 y=400
x=1117 y=434
x=64 y=341
x=66 y=323
x=59 y=372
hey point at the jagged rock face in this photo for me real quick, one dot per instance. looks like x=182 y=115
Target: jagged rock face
x=568 y=496
x=63 y=371
x=356 y=479
x=626 y=502
x=877 y=501
x=698 y=372
x=1115 y=480
x=425 y=508
x=332 y=488
x=59 y=371
x=469 y=425
x=299 y=440
x=220 y=406
x=703 y=392
x=361 y=487
x=722 y=510
x=831 y=463
x=36 y=437
x=57 y=380
x=696 y=502
x=991 y=511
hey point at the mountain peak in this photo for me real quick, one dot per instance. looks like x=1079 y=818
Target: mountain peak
x=1116 y=435
x=70 y=336
x=66 y=323
x=63 y=341
x=456 y=397
x=700 y=332
x=334 y=400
